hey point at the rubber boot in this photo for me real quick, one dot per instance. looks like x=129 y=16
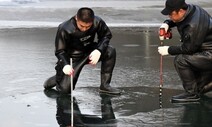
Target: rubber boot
x=105 y=85
x=185 y=97
x=50 y=82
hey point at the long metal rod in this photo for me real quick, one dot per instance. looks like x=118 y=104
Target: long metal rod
x=161 y=79
x=72 y=107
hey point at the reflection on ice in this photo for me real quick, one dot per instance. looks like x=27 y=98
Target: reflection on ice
x=81 y=118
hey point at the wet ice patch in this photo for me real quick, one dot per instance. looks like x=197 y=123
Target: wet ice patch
x=29 y=110
x=88 y=100
x=10 y=89
x=131 y=45
x=159 y=118
x=22 y=80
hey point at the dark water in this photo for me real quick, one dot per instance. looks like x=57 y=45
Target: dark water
x=27 y=60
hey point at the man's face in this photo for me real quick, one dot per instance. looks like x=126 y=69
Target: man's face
x=83 y=26
x=177 y=16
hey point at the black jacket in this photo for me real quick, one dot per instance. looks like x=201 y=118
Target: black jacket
x=195 y=31
x=70 y=39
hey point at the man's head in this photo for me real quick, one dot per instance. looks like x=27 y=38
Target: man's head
x=84 y=18
x=175 y=9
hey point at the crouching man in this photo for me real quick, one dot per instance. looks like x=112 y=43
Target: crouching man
x=193 y=61
x=75 y=39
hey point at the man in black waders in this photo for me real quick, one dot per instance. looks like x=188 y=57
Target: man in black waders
x=193 y=61
x=75 y=39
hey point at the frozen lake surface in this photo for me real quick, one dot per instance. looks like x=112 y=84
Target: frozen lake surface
x=27 y=59
x=27 y=32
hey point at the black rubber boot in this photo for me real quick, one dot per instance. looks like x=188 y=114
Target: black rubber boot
x=185 y=97
x=105 y=85
x=50 y=82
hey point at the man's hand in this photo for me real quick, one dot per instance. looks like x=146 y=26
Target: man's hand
x=164 y=26
x=94 y=57
x=163 y=50
x=68 y=70
x=164 y=32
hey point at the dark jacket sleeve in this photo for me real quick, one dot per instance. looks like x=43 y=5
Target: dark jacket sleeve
x=60 y=45
x=191 y=42
x=170 y=23
x=104 y=36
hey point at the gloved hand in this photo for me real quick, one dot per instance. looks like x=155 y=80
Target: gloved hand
x=164 y=32
x=94 y=57
x=164 y=26
x=68 y=70
x=163 y=50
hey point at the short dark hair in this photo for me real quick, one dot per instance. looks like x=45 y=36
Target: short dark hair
x=85 y=14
